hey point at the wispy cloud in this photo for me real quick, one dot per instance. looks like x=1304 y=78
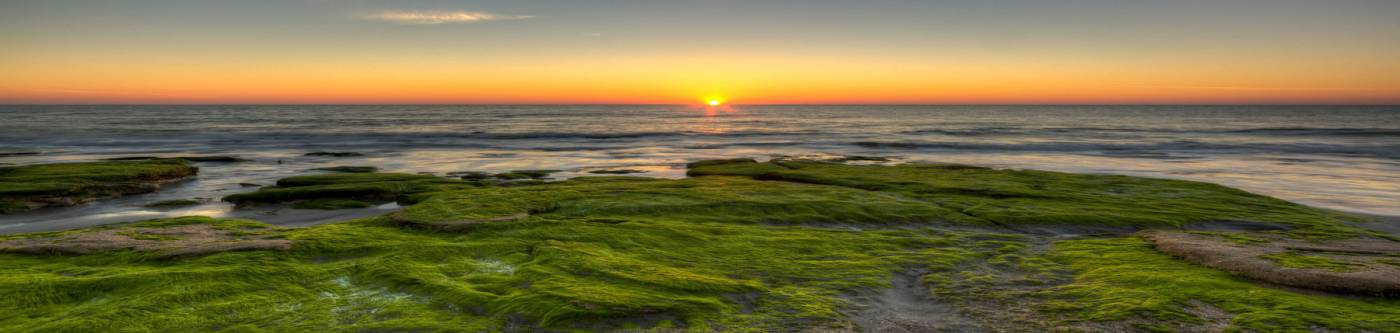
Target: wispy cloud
x=439 y=17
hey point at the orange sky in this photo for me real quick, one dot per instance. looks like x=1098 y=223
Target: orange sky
x=323 y=53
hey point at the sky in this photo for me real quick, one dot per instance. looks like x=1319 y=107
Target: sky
x=680 y=52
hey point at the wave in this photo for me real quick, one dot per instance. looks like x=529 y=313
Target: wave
x=1380 y=132
x=1173 y=149
x=1264 y=131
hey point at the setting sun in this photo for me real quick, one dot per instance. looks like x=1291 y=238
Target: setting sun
x=713 y=102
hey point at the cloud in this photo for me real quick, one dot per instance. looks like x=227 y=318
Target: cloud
x=438 y=17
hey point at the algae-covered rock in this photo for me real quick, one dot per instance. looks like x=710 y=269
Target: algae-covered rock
x=524 y=174
x=1027 y=197
x=1352 y=265
x=4 y=152
x=66 y=184
x=167 y=238
x=351 y=186
x=470 y=175
x=743 y=246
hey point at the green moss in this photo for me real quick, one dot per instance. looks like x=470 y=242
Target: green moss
x=25 y=187
x=1296 y=260
x=747 y=247
x=557 y=274
x=352 y=186
x=713 y=199
x=1123 y=278
x=330 y=204
x=172 y=203
x=1041 y=197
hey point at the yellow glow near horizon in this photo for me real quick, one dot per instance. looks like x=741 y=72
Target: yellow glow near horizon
x=69 y=52
x=714 y=102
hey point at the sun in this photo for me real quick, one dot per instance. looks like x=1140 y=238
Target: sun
x=713 y=102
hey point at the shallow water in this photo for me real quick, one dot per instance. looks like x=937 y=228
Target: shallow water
x=1345 y=158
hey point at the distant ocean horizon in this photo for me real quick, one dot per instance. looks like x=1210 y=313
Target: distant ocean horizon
x=1338 y=157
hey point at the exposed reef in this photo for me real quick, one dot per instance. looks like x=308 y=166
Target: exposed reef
x=66 y=184
x=740 y=246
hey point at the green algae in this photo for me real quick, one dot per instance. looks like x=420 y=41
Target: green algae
x=1013 y=197
x=65 y=184
x=348 y=186
x=1124 y=278
x=740 y=247
x=524 y=174
x=557 y=274
x=711 y=199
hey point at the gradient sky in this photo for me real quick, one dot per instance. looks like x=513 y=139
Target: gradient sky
x=661 y=51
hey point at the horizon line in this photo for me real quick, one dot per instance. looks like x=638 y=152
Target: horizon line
x=697 y=104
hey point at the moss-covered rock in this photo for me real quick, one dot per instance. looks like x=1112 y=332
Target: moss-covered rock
x=66 y=184
x=7 y=151
x=524 y=174
x=163 y=238
x=348 y=186
x=741 y=247
x=470 y=175
x=1026 y=197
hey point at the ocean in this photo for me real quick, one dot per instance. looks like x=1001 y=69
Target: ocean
x=1339 y=157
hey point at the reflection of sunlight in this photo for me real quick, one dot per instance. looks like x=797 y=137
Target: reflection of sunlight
x=211 y=210
x=126 y=214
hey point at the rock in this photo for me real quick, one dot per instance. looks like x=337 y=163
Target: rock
x=16 y=152
x=470 y=175
x=525 y=174
x=66 y=184
x=335 y=154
